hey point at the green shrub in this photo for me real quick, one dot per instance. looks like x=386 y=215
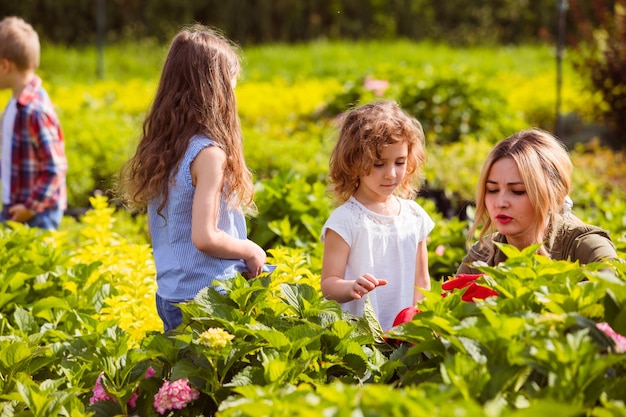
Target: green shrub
x=291 y=212
x=79 y=305
x=601 y=60
x=535 y=345
x=450 y=108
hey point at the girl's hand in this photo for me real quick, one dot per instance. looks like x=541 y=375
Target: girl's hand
x=255 y=260
x=364 y=284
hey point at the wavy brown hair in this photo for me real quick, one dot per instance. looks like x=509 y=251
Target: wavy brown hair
x=545 y=168
x=364 y=132
x=195 y=96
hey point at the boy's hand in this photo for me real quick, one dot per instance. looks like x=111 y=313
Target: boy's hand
x=20 y=213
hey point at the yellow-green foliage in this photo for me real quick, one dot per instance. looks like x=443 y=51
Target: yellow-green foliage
x=294 y=265
x=594 y=162
x=5 y=95
x=281 y=101
x=101 y=122
x=535 y=97
x=132 y=96
x=277 y=133
x=127 y=266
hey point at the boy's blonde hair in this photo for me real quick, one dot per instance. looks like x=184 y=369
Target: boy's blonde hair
x=365 y=131
x=19 y=43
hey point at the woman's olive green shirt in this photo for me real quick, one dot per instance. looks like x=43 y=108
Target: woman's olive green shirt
x=573 y=241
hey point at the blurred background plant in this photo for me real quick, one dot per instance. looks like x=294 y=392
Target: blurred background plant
x=601 y=60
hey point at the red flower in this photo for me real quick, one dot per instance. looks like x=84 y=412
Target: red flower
x=405 y=315
x=461 y=281
x=474 y=291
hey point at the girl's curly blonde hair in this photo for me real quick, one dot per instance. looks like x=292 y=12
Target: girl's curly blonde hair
x=364 y=132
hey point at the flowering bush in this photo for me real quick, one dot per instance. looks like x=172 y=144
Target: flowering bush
x=100 y=394
x=174 y=395
x=618 y=339
x=214 y=338
x=274 y=343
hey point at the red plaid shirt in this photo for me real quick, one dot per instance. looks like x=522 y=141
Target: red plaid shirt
x=38 y=162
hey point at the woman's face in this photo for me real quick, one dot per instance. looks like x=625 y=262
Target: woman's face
x=508 y=204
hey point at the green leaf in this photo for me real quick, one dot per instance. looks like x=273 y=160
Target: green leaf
x=6 y=298
x=472 y=347
x=13 y=353
x=41 y=307
x=25 y=321
x=275 y=369
x=369 y=314
x=275 y=338
x=291 y=296
x=34 y=399
x=184 y=368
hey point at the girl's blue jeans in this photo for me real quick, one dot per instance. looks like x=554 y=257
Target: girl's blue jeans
x=171 y=315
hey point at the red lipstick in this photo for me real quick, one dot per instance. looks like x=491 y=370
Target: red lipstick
x=503 y=219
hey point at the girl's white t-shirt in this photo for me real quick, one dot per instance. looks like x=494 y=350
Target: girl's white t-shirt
x=8 y=120
x=385 y=247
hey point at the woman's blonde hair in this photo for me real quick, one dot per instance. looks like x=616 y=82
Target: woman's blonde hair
x=364 y=132
x=195 y=96
x=545 y=168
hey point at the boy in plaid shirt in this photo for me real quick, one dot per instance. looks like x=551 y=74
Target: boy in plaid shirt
x=33 y=163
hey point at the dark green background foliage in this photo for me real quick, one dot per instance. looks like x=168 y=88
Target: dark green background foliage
x=261 y=21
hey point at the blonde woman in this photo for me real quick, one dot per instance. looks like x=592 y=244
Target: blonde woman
x=523 y=199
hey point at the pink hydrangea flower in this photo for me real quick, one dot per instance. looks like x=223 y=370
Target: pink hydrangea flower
x=174 y=395
x=620 y=341
x=150 y=372
x=99 y=394
x=132 y=401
